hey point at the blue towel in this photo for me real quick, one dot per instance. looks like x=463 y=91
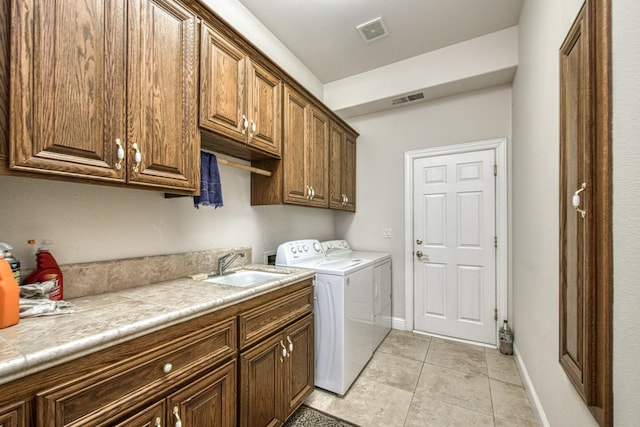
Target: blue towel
x=210 y=185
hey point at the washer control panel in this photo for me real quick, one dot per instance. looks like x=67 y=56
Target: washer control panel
x=332 y=247
x=290 y=253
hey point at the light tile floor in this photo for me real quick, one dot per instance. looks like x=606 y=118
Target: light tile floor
x=418 y=381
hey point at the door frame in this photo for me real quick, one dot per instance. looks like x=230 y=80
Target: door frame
x=499 y=145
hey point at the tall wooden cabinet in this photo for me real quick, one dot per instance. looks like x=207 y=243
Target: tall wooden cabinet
x=105 y=90
x=239 y=99
x=585 y=209
x=342 y=168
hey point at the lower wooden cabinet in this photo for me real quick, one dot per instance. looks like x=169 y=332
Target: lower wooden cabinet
x=13 y=416
x=249 y=364
x=210 y=401
x=276 y=375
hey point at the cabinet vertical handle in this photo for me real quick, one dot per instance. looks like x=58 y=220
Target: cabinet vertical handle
x=245 y=124
x=308 y=193
x=313 y=193
x=284 y=350
x=575 y=200
x=158 y=422
x=290 y=344
x=120 y=155
x=176 y=413
x=253 y=128
x=137 y=158
x=346 y=199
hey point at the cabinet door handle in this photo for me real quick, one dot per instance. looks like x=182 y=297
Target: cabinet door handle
x=176 y=413
x=253 y=128
x=120 y=154
x=308 y=193
x=575 y=200
x=158 y=422
x=137 y=158
x=313 y=193
x=290 y=344
x=284 y=350
x=245 y=124
x=346 y=199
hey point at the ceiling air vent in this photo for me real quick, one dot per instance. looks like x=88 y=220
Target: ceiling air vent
x=407 y=98
x=372 y=30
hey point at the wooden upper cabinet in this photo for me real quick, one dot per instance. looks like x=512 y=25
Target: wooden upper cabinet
x=342 y=168
x=162 y=95
x=68 y=87
x=239 y=99
x=306 y=145
x=91 y=79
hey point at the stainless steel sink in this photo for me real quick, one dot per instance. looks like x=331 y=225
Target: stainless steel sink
x=242 y=278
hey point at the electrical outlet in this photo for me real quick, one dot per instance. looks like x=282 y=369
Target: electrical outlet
x=386 y=233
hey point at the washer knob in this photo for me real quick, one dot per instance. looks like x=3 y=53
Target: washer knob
x=293 y=250
x=305 y=248
x=316 y=246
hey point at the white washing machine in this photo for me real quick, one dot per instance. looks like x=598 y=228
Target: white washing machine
x=342 y=316
x=381 y=316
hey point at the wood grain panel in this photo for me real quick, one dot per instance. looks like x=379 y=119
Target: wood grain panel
x=258 y=323
x=67 y=89
x=265 y=105
x=162 y=97
x=294 y=157
x=317 y=156
x=222 y=82
x=4 y=84
x=148 y=417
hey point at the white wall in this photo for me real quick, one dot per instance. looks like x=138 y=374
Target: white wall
x=543 y=26
x=92 y=223
x=626 y=205
x=384 y=138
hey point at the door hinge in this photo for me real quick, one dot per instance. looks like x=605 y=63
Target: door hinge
x=495 y=170
x=495 y=314
x=495 y=242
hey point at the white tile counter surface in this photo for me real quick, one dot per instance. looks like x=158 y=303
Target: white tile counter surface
x=104 y=320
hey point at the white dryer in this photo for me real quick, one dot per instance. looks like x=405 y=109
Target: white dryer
x=381 y=289
x=342 y=317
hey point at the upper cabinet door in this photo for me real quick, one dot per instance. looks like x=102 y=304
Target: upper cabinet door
x=222 y=95
x=295 y=186
x=68 y=87
x=264 y=101
x=342 y=169
x=316 y=156
x=163 y=139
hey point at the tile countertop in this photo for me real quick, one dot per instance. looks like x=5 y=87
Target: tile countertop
x=104 y=320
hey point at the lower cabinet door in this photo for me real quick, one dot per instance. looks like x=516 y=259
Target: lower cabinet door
x=299 y=367
x=152 y=416
x=13 y=416
x=261 y=370
x=209 y=401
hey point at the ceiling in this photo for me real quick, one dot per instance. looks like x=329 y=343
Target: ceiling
x=323 y=35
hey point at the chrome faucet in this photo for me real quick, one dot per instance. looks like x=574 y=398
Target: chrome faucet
x=223 y=264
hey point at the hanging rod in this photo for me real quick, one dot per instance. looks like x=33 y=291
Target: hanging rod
x=244 y=167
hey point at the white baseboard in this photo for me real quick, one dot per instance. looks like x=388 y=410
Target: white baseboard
x=538 y=411
x=398 y=323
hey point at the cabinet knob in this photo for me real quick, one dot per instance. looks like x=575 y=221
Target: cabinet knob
x=137 y=158
x=120 y=155
x=167 y=368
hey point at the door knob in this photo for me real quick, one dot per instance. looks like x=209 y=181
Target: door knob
x=419 y=254
x=419 y=242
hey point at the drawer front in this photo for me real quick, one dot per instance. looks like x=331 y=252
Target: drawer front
x=109 y=392
x=262 y=321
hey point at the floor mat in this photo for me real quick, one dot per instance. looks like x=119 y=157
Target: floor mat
x=307 y=417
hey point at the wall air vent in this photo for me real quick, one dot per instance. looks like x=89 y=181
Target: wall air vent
x=407 y=98
x=372 y=30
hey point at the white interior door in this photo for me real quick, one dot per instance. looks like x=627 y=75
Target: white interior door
x=454 y=250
